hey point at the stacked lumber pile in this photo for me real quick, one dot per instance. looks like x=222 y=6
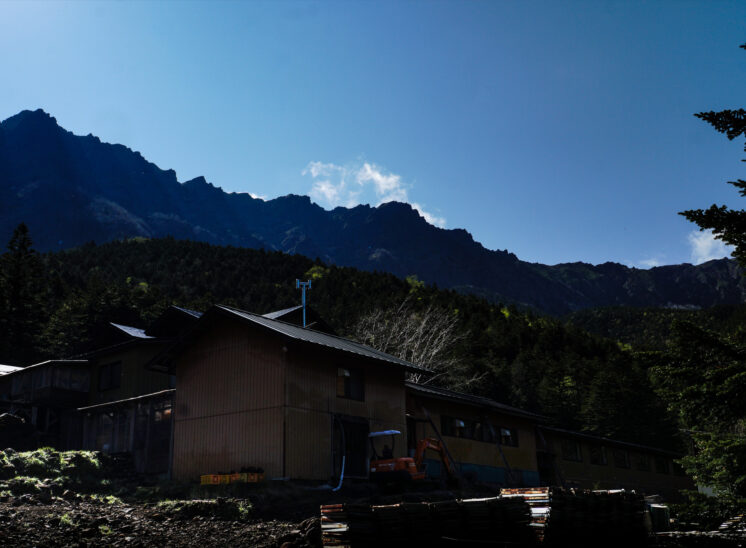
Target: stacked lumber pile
x=563 y=517
x=697 y=539
x=495 y=520
x=735 y=526
x=347 y=525
x=538 y=500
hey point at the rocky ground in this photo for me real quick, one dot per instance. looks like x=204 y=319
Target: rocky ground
x=84 y=498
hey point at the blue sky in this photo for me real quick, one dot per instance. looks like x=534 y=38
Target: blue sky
x=561 y=131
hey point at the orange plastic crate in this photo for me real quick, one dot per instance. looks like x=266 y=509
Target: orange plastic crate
x=209 y=479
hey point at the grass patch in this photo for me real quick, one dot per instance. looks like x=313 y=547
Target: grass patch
x=106 y=499
x=48 y=463
x=67 y=521
x=22 y=485
x=229 y=509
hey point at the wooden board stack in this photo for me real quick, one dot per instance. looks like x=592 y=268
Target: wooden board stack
x=567 y=517
x=493 y=520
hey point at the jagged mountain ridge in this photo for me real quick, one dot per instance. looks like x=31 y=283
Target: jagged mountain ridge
x=73 y=189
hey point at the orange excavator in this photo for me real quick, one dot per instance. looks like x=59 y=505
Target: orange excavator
x=385 y=468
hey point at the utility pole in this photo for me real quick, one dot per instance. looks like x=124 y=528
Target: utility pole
x=303 y=286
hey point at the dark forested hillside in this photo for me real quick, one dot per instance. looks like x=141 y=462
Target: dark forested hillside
x=72 y=189
x=577 y=379
x=652 y=328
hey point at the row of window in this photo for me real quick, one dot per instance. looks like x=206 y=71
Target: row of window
x=571 y=450
x=478 y=431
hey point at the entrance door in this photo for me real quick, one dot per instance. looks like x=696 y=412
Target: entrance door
x=355 y=448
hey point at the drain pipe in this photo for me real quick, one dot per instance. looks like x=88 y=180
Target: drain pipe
x=344 y=453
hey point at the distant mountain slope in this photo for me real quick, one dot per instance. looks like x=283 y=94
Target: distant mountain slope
x=71 y=189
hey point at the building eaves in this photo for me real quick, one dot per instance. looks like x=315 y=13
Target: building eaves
x=316 y=337
x=609 y=441
x=119 y=346
x=193 y=313
x=131 y=331
x=125 y=401
x=468 y=399
x=6 y=369
x=45 y=363
x=279 y=313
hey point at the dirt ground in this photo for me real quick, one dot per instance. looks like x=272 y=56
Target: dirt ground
x=27 y=521
x=285 y=516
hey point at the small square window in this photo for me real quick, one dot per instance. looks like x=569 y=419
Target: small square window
x=661 y=465
x=110 y=376
x=350 y=384
x=598 y=455
x=509 y=437
x=621 y=458
x=571 y=451
x=642 y=462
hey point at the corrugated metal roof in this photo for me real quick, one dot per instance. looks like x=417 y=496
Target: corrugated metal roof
x=451 y=395
x=132 y=331
x=5 y=369
x=188 y=311
x=316 y=337
x=279 y=313
x=47 y=362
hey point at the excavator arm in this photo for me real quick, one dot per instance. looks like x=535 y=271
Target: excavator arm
x=437 y=446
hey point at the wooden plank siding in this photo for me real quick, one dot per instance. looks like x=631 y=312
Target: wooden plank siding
x=479 y=458
x=586 y=475
x=135 y=379
x=229 y=404
x=312 y=402
x=249 y=397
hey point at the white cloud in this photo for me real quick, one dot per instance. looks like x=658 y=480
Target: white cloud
x=327 y=191
x=320 y=169
x=432 y=219
x=706 y=248
x=388 y=187
x=258 y=196
x=348 y=186
x=650 y=263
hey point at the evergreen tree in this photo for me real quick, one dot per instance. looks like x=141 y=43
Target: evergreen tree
x=703 y=377
x=704 y=380
x=21 y=291
x=727 y=224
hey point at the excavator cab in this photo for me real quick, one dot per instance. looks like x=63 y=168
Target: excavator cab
x=384 y=468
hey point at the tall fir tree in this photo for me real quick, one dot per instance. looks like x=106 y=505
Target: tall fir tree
x=703 y=375
x=21 y=299
x=728 y=225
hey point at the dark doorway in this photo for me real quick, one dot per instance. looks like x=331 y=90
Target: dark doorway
x=355 y=449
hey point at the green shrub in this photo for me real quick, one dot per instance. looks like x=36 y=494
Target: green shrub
x=703 y=513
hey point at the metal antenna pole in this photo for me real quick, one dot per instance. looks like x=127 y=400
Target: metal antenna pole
x=303 y=286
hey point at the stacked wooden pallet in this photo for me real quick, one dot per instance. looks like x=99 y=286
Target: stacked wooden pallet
x=348 y=525
x=494 y=520
x=561 y=517
x=538 y=500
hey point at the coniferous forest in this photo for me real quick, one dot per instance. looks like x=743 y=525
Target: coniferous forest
x=58 y=304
